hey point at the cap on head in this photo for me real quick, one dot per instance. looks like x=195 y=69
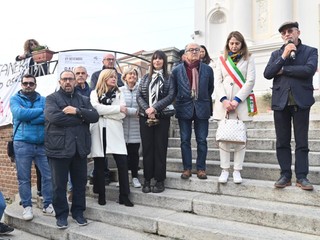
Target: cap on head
x=286 y=25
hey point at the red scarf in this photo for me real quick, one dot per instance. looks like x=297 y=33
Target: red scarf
x=193 y=76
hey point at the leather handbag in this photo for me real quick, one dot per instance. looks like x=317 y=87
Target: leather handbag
x=231 y=131
x=169 y=111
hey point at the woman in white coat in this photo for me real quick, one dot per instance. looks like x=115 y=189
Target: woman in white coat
x=107 y=134
x=235 y=79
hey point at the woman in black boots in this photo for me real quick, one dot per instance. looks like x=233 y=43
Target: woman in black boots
x=107 y=135
x=155 y=93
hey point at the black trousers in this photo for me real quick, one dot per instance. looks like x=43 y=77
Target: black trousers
x=283 y=121
x=99 y=177
x=60 y=167
x=154 y=147
x=133 y=158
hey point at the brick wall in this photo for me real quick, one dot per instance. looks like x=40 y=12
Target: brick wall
x=8 y=174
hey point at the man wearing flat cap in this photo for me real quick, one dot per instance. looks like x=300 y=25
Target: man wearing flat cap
x=292 y=68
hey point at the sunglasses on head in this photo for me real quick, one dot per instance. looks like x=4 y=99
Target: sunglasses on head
x=31 y=84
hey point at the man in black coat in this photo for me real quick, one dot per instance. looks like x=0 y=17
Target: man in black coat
x=292 y=68
x=68 y=115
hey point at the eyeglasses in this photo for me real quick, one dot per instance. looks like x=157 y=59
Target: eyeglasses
x=289 y=31
x=31 y=84
x=67 y=79
x=109 y=59
x=193 y=50
x=83 y=73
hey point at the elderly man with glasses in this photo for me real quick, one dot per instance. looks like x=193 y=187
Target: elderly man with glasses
x=108 y=63
x=193 y=83
x=292 y=68
x=68 y=115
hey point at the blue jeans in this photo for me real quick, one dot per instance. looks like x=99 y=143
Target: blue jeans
x=25 y=153
x=2 y=205
x=201 y=131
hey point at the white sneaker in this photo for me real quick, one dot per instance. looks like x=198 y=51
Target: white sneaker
x=49 y=211
x=117 y=184
x=237 y=177
x=27 y=213
x=223 y=176
x=136 y=183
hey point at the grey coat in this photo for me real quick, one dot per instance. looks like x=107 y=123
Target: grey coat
x=131 y=127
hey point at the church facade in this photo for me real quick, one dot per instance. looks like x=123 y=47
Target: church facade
x=258 y=21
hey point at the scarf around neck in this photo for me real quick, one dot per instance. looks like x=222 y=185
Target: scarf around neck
x=193 y=75
x=108 y=97
x=235 y=56
x=155 y=86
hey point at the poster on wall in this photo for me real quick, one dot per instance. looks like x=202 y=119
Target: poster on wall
x=91 y=60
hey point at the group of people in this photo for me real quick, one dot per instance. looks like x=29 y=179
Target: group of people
x=116 y=113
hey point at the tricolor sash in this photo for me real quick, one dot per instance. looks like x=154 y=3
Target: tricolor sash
x=238 y=78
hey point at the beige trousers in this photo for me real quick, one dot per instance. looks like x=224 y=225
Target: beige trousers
x=239 y=153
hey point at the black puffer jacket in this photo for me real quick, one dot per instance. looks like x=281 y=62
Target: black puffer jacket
x=165 y=99
x=67 y=134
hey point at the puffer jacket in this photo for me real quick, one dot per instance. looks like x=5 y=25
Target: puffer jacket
x=30 y=116
x=186 y=107
x=131 y=127
x=66 y=134
x=165 y=99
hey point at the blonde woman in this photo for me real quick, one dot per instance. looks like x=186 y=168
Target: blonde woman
x=107 y=134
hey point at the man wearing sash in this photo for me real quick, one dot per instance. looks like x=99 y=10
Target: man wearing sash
x=292 y=68
x=235 y=78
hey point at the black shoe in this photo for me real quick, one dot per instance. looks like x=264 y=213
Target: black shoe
x=80 y=220
x=62 y=223
x=158 y=187
x=90 y=180
x=282 y=182
x=146 y=187
x=123 y=199
x=5 y=229
x=107 y=181
x=304 y=184
x=102 y=199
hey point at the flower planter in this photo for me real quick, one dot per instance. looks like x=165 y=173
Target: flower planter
x=42 y=56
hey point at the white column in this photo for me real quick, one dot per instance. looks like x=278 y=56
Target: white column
x=281 y=11
x=241 y=15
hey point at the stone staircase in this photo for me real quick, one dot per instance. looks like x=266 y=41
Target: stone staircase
x=203 y=209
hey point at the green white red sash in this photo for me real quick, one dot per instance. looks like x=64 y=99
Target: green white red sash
x=238 y=78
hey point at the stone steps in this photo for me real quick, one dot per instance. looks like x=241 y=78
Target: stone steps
x=45 y=226
x=259 y=171
x=252 y=143
x=275 y=214
x=256 y=156
x=203 y=209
